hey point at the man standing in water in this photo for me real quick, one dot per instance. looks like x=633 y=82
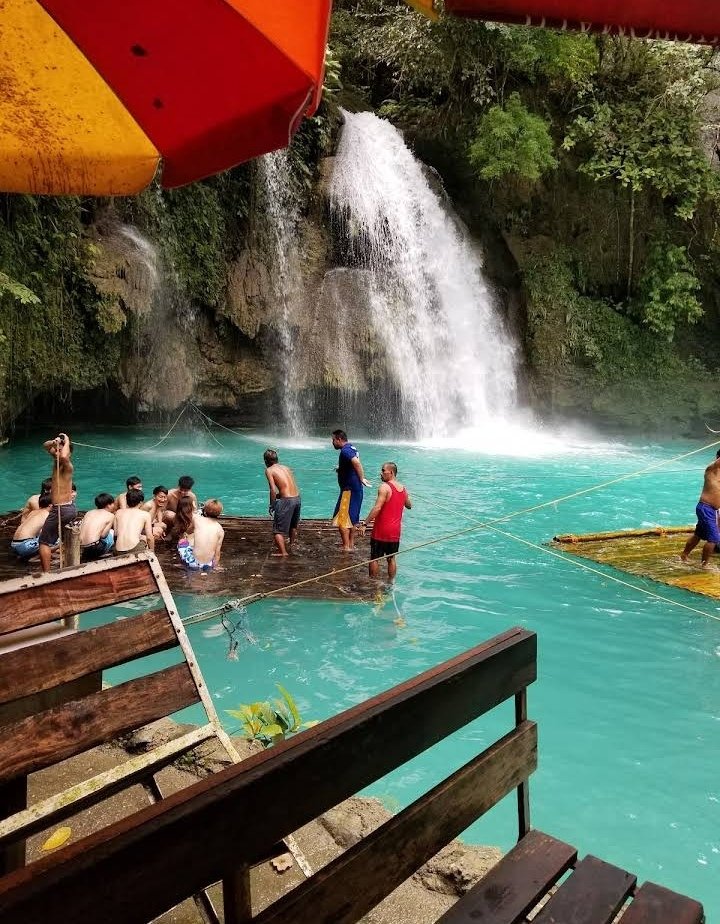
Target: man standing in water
x=284 y=502
x=707 y=515
x=351 y=479
x=386 y=520
x=61 y=493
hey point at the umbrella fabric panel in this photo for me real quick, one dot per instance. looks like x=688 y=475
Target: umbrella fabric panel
x=59 y=121
x=691 y=20
x=205 y=85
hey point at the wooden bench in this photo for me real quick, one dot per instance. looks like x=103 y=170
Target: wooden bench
x=213 y=829
x=53 y=706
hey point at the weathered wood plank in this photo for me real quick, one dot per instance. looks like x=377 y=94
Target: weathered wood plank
x=137 y=859
x=510 y=890
x=54 y=809
x=44 y=666
x=347 y=888
x=593 y=894
x=51 y=736
x=654 y=904
x=40 y=602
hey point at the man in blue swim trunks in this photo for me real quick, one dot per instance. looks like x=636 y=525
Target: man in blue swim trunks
x=351 y=479
x=707 y=515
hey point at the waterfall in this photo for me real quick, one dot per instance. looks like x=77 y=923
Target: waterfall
x=441 y=344
x=283 y=220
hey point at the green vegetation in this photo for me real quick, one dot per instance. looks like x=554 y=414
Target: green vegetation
x=270 y=721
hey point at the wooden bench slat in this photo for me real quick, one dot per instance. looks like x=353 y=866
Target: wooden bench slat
x=63 y=731
x=347 y=888
x=49 y=664
x=54 y=809
x=516 y=884
x=592 y=894
x=137 y=858
x=36 y=603
x=654 y=904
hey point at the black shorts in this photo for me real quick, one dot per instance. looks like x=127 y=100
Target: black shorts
x=378 y=548
x=51 y=530
x=286 y=515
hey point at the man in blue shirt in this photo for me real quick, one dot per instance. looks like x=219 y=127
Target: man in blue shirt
x=351 y=479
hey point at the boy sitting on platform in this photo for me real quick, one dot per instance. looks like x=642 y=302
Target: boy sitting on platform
x=25 y=542
x=133 y=530
x=96 y=532
x=203 y=552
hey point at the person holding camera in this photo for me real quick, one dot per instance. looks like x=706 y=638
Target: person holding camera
x=61 y=494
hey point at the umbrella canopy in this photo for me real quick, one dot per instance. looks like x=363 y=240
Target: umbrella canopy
x=92 y=95
x=689 y=21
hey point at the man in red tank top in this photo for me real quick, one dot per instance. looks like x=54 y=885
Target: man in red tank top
x=386 y=520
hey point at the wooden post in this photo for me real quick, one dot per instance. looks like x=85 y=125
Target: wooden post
x=523 y=790
x=236 y=896
x=13 y=798
x=71 y=559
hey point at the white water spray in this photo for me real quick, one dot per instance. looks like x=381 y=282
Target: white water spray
x=448 y=351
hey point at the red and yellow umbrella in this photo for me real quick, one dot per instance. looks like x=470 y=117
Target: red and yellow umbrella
x=94 y=94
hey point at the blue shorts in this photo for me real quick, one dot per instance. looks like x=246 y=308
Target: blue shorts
x=25 y=548
x=187 y=556
x=707 y=527
x=97 y=549
x=347 y=509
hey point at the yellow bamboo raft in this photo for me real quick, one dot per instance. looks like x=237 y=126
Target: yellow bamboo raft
x=651 y=553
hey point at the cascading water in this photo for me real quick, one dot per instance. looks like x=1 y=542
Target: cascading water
x=281 y=208
x=450 y=360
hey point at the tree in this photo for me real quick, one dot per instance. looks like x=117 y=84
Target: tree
x=512 y=140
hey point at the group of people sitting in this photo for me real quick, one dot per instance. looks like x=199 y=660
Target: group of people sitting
x=127 y=523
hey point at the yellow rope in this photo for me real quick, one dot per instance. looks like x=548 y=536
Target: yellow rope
x=570 y=560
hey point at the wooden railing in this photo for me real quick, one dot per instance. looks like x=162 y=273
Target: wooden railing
x=215 y=830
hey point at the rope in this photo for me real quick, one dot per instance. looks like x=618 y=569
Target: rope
x=477 y=525
x=215 y=422
x=137 y=451
x=202 y=421
x=579 y=564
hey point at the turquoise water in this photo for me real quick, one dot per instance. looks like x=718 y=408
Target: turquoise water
x=628 y=698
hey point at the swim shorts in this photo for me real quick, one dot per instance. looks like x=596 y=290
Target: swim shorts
x=378 y=548
x=97 y=549
x=25 y=548
x=707 y=527
x=347 y=509
x=286 y=515
x=187 y=556
x=52 y=530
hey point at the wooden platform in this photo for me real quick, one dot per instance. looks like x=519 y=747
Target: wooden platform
x=251 y=567
x=650 y=553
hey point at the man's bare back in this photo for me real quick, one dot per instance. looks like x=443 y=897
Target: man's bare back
x=31 y=525
x=711 y=486
x=95 y=525
x=207 y=540
x=283 y=480
x=62 y=473
x=131 y=524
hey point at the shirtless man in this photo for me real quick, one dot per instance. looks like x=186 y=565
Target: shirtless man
x=707 y=515
x=207 y=539
x=25 y=541
x=96 y=530
x=61 y=494
x=133 y=529
x=284 y=502
x=157 y=508
x=183 y=489
x=32 y=502
x=133 y=483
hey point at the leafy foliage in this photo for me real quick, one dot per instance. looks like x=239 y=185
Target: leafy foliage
x=270 y=721
x=511 y=140
x=668 y=290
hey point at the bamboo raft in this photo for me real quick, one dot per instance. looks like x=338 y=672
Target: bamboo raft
x=650 y=553
x=250 y=566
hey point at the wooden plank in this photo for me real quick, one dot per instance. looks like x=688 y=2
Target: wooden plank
x=135 y=861
x=42 y=601
x=593 y=894
x=56 y=808
x=51 y=736
x=49 y=664
x=347 y=888
x=39 y=702
x=654 y=904
x=510 y=890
